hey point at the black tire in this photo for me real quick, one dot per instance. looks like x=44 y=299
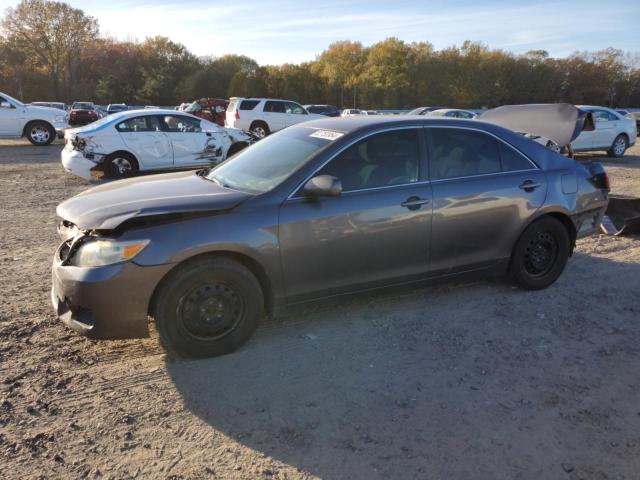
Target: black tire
x=40 y=134
x=208 y=307
x=260 y=129
x=619 y=146
x=120 y=165
x=235 y=148
x=540 y=254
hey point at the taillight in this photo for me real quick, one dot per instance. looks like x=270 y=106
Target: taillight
x=66 y=140
x=237 y=115
x=599 y=177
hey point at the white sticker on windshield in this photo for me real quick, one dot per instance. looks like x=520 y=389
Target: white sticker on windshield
x=326 y=134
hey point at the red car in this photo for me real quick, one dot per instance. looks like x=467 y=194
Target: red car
x=212 y=109
x=83 y=113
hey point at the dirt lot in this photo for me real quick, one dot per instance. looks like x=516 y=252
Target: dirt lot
x=474 y=380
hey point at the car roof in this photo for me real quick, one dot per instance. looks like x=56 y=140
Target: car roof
x=263 y=98
x=154 y=111
x=351 y=124
x=594 y=107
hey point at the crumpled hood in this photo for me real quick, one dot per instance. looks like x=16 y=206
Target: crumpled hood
x=560 y=122
x=106 y=206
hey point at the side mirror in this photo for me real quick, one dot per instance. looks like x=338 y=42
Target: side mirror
x=322 y=186
x=6 y=105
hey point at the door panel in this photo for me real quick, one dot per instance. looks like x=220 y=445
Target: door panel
x=295 y=114
x=143 y=137
x=275 y=115
x=358 y=239
x=376 y=232
x=12 y=120
x=194 y=148
x=484 y=191
x=152 y=149
x=191 y=145
x=477 y=220
x=605 y=130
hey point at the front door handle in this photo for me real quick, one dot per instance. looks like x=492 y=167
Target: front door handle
x=529 y=185
x=414 y=203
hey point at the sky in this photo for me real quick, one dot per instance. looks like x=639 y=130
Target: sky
x=293 y=31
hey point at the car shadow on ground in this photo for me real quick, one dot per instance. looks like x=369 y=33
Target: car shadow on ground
x=465 y=380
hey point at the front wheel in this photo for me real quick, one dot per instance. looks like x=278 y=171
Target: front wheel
x=40 y=134
x=540 y=254
x=208 y=307
x=618 y=147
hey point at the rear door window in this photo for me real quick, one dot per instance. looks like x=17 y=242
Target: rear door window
x=274 y=107
x=180 y=124
x=462 y=153
x=512 y=160
x=457 y=152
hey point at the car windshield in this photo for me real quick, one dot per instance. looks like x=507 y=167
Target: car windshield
x=266 y=164
x=82 y=106
x=13 y=100
x=416 y=111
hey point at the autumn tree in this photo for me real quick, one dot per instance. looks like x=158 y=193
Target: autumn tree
x=50 y=36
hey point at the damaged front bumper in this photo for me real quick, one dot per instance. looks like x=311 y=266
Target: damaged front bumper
x=105 y=302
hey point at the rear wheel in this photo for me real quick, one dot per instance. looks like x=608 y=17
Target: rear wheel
x=121 y=165
x=208 y=307
x=540 y=254
x=40 y=133
x=259 y=129
x=618 y=147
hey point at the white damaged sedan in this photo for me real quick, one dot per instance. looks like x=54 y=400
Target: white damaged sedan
x=140 y=140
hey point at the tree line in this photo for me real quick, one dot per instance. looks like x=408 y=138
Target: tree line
x=52 y=51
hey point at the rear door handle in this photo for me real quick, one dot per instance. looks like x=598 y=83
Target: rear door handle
x=529 y=185
x=414 y=203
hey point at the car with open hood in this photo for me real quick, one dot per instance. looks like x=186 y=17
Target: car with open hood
x=40 y=125
x=318 y=210
x=133 y=141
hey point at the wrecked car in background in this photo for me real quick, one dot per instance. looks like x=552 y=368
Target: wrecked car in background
x=139 y=140
x=325 y=208
x=212 y=109
x=554 y=125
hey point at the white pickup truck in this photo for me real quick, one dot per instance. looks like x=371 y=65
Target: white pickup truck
x=40 y=125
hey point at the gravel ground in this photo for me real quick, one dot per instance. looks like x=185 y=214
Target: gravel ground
x=465 y=380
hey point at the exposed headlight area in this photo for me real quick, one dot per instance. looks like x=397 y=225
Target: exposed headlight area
x=99 y=252
x=59 y=119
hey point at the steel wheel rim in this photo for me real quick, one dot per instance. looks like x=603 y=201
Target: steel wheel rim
x=210 y=311
x=541 y=254
x=260 y=132
x=618 y=146
x=40 y=134
x=122 y=165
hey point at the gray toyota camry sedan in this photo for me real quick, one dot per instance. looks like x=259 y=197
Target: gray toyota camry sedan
x=326 y=208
